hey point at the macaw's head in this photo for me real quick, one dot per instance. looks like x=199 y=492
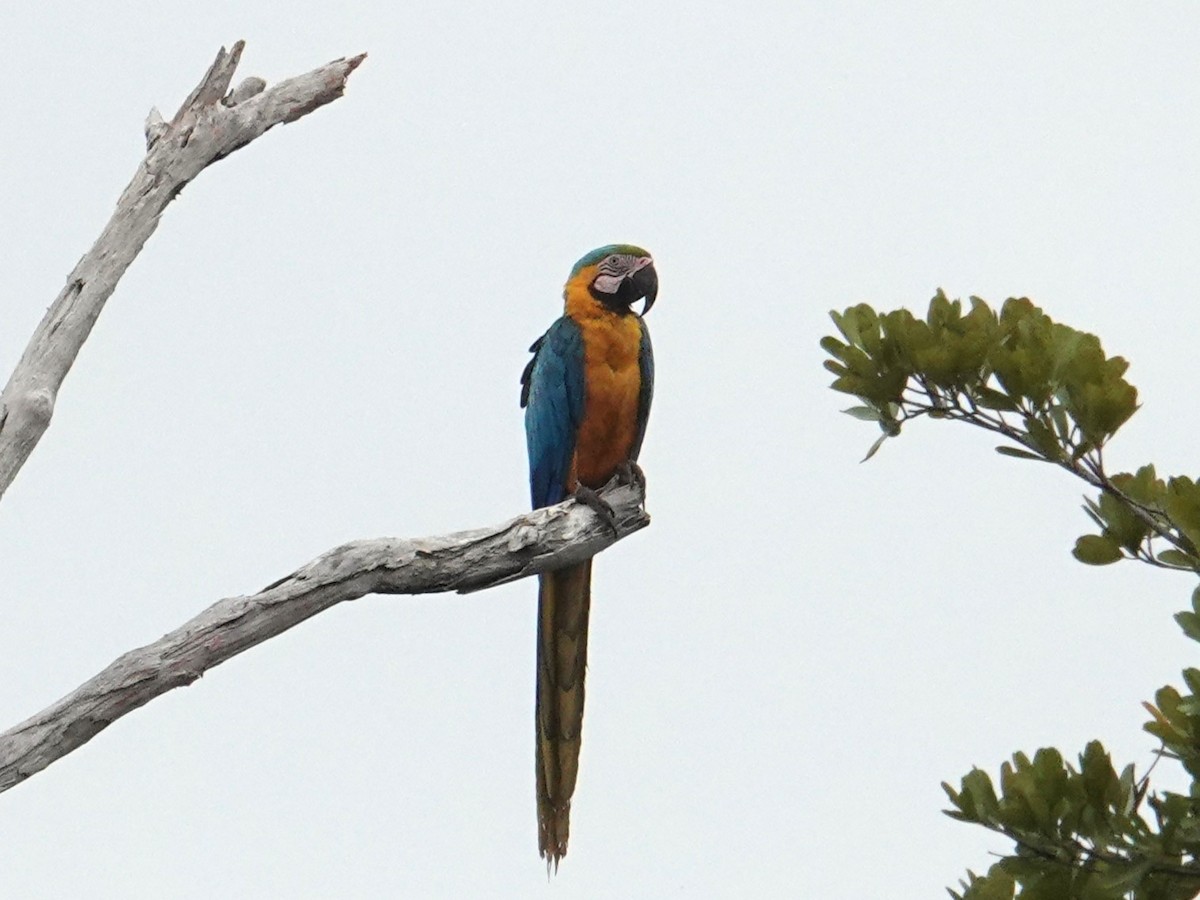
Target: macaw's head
x=617 y=275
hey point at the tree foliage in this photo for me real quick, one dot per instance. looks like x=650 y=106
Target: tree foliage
x=1080 y=830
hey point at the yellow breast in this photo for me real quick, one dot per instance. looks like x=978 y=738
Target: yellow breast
x=612 y=384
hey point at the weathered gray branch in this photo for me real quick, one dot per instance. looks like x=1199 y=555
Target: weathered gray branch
x=465 y=561
x=212 y=123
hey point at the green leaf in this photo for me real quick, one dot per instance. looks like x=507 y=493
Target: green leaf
x=993 y=399
x=859 y=325
x=1097 y=550
x=1190 y=623
x=1019 y=454
x=1144 y=486
x=1131 y=877
x=1093 y=512
x=996 y=885
x=1098 y=776
x=875 y=447
x=851 y=384
x=978 y=786
x=845 y=324
x=1123 y=525
x=1177 y=558
x=833 y=347
x=1182 y=504
x=1167 y=699
x=1042 y=437
x=1058 y=415
x=865 y=413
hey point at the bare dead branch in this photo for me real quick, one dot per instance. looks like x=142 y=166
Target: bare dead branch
x=465 y=561
x=208 y=127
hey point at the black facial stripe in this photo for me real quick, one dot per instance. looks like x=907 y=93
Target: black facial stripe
x=618 y=302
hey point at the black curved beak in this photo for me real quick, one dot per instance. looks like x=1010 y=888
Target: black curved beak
x=645 y=285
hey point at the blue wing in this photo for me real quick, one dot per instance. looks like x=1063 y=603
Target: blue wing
x=646 y=393
x=552 y=394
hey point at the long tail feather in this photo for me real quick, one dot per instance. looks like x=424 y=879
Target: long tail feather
x=564 y=599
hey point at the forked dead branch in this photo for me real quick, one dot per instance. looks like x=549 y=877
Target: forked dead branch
x=212 y=123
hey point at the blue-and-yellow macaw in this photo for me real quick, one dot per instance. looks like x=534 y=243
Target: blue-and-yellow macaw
x=586 y=394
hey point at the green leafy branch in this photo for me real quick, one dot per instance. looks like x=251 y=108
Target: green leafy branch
x=1046 y=387
x=1079 y=832
x=1051 y=392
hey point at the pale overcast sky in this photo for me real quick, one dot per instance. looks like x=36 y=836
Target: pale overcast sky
x=322 y=342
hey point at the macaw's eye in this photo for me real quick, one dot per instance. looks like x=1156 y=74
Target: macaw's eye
x=614 y=260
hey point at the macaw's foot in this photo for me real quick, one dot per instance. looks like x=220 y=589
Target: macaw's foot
x=590 y=498
x=630 y=472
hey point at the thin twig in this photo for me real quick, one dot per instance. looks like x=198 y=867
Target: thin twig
x=1086 y=468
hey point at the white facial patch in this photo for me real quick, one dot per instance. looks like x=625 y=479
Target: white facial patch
x=607 y=283
x=612 y=271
